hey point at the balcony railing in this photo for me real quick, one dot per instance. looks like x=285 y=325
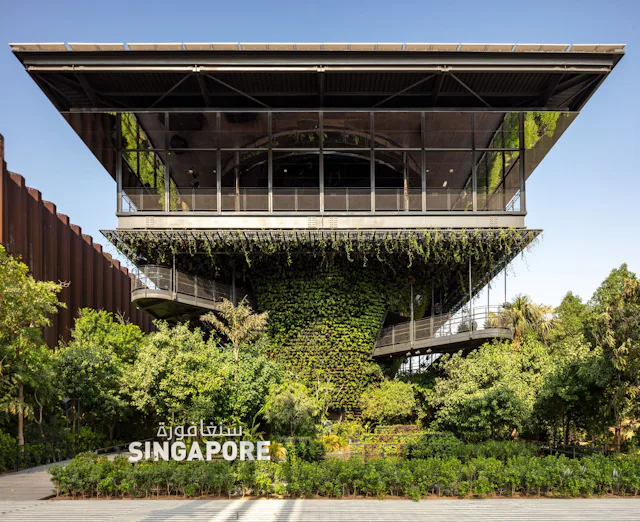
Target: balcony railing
x=465 y=321
x=176 y=284
x=308 y=199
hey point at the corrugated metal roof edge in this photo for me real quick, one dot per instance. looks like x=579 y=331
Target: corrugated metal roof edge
x=328 y=46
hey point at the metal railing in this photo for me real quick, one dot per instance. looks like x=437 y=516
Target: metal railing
x=152 y=277
x=307 y=199
x=479 y=318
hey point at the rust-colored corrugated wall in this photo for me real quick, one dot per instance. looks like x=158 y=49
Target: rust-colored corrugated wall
x=56 y=250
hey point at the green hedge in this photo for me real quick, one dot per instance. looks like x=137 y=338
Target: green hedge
x=90 y=476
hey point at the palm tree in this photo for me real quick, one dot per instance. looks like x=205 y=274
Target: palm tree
x=522 y=314
x=237 y=323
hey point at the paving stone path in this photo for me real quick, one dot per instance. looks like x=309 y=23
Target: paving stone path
x=321 y=510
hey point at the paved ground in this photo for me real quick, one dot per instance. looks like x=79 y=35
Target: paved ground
x=321 y=510
x=28 y=484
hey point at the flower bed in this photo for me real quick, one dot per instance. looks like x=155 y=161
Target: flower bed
x=90 y=476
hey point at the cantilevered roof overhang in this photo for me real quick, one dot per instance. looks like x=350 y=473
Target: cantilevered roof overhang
x=212 y=76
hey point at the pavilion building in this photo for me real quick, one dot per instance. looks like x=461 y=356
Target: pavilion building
x=223 y=153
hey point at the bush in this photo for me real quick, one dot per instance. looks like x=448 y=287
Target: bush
x=90 y=476
x=392 y=402
x=8 y=451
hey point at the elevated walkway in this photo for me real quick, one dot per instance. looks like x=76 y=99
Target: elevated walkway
x=446 y=333
x=175 y=296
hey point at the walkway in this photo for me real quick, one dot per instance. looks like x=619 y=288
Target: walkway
x=30 y=484
x=175 y=296
x=27 y=484
x=557 y=510
x=443 y=333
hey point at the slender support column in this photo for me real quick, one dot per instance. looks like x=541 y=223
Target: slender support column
x=236 y=177
x=433 y=307
x=119 y=161
x=423 y=170
x=174 y=280
x=218 y=168
x=372 y=164
x=167 y=175
x=523 y=193
x=474 y=175
x=411 y=327
x=270 y=163
x=470 y=297
x=505 y=285
x=405 y=181
x=321 y=180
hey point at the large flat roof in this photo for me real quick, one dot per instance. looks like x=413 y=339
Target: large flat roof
x=360 y=76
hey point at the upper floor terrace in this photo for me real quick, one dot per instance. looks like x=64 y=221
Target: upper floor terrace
x=294 y=136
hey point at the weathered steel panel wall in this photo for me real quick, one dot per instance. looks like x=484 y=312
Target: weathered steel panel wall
x=56 y=250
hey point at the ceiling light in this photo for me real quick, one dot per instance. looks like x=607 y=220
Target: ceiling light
x=450 y=171
x=445 y=183
x=285 y=170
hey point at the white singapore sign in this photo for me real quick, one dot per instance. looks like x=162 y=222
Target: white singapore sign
x=174 y=446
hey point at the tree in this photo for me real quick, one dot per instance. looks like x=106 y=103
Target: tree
x=94 y=375
x=522 y=315
x=291 y=406
x=393 y=402
x=616 y=328
x=25 y=305
x=239 y=324
x=179 y=375
x=572 y=397
x=102 y=328
x=490 y=392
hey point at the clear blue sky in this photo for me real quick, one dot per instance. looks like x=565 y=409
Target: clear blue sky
x=585 y=194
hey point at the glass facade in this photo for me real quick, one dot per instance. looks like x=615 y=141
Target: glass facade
x=320 y=161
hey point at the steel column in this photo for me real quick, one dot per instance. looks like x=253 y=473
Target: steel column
x=523 y=194
x=372 y=163
x=167 y=176
x=423 y=171
x=474 y=175
x=321 y=180
x=119 y=161
x=218 y=167
x=270 y=162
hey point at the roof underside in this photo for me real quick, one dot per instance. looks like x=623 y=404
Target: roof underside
x=141 y=77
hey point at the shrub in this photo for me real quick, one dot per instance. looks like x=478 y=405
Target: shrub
x=90 y=476
x=392 y=402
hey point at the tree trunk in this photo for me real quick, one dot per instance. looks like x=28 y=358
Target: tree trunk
x=21 y=416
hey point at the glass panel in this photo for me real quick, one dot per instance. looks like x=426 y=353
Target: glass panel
x=497 y=131
x=295 y=130
x=245 y=177
x=448 y=173
x=541 y=131
x=347 y=129
x=492 y=169
x=448 y=130
x=150 y=128
x=398 y=130
x=398 y=180
x=347 y=168
x=98 y=131
x=143 y=181
x=194 y=173
x=244 y=130
x=192 y=130
x=296 y=169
